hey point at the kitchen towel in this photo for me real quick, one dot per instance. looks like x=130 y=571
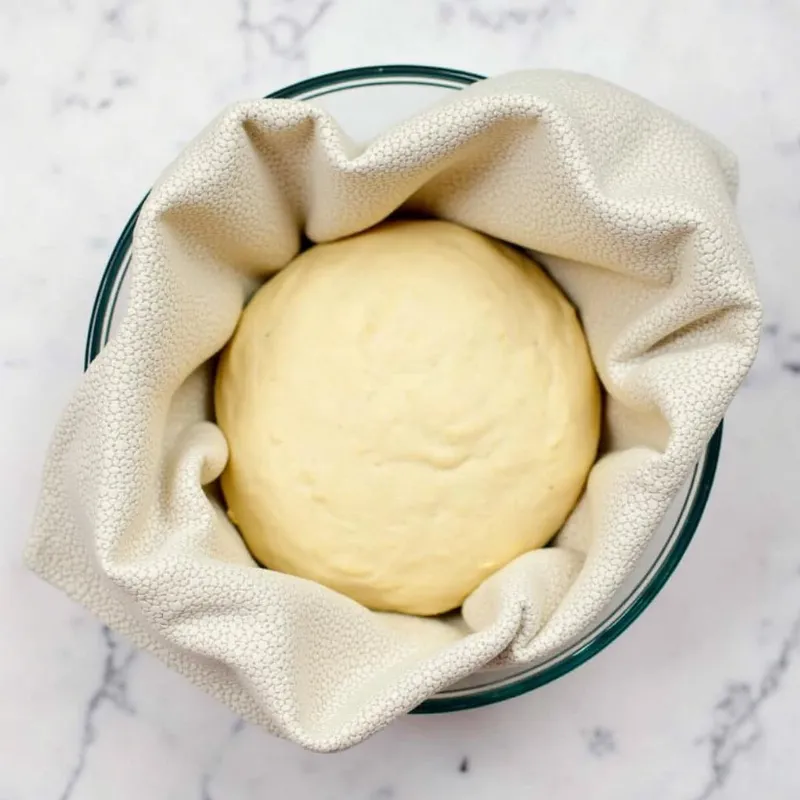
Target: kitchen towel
x=629 y=208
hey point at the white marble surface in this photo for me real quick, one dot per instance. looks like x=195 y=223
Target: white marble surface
x=699 y=699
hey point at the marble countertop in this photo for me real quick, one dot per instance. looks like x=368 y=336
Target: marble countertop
x=699 y=700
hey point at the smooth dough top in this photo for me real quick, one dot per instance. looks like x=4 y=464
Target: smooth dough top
x=407 y=410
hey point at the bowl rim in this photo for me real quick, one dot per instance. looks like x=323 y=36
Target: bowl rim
x=413 y=74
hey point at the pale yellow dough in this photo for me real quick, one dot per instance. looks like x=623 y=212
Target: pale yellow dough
x=407 y=411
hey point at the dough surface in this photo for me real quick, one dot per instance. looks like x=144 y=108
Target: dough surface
x=407 y=410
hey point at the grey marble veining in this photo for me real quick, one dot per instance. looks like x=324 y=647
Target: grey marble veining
x=697 y=701
x=112 y=689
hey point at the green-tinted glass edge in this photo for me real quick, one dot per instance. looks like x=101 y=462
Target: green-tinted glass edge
x=408 y=71
x=324 y=84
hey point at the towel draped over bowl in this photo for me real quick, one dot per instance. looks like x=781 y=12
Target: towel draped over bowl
x=629 y=208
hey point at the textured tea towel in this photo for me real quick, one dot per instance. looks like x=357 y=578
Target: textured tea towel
x=628 y=207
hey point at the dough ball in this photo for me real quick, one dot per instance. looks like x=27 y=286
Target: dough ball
x=407 y=411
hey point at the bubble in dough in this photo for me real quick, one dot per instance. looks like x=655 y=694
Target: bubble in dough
x=407 y=410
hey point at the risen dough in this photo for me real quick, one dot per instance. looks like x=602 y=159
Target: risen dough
x=407 y=411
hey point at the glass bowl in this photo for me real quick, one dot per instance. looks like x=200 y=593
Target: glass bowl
x=366 y=101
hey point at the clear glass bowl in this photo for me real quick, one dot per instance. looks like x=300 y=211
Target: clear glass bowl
x=365 y=102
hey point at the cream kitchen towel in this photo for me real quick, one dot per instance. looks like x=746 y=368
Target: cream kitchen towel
x=629 y=208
